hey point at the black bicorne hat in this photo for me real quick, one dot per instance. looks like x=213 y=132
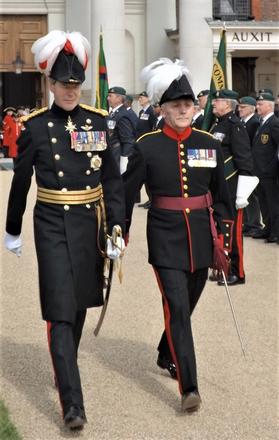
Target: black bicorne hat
x=67 y=69
x=178 y=89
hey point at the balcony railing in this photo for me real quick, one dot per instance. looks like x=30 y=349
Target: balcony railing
x=232 y=10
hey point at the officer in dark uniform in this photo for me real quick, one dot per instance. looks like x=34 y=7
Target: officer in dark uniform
x=78 y=181
x=251 y=121
x=128 y=104
x=238 y=162
x=121 y=127
x=265 y=149
x=183 y=169
x=198 y=116
x=202 y=98
x=147 y=117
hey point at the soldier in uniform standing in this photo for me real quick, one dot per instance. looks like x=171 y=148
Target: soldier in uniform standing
x=184 y=171
x=78 y=181
x=238 y=172
x=121 y=124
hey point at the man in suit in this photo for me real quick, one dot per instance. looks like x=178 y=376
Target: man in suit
x=238 y=171
x=78 y=181
x=252 y=213
x=147 y=118
x=265 y=154
x=159 y=123
x=128 y=104
x=182 y=167
x=198 y=116
x=121 y=127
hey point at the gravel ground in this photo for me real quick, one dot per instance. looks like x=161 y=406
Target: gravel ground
x=127 y=397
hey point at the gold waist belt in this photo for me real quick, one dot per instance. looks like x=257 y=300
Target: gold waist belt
x=70 y=197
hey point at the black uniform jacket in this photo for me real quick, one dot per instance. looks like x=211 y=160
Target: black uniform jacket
x=265 y=149
x=146 y=121
x=176 y=166
x=197 y=123
x=236 y=148
x=69 y=261
x=122 y=130
x=251 y=126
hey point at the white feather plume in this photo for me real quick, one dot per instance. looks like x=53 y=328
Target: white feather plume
x=160 y=74
x=46 y=49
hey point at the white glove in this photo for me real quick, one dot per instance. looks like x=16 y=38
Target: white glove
x=241 y=202
x=123 y=164
x=114 y=252
x=13 y=243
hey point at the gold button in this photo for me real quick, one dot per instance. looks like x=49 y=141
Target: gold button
x=87 y=172
x=187 y=210
x=184 y=178
x=227 y=245
x=182 y=161
x=184 y=170
x=66 y=207
x=185 y=186
x=227 y=225
x=186 y=195
x=88 y=206
x=181 y=153
x=57 y=157
x=89 y=154
x=64 y=190
x=88 y=187
x=50 y=124
x=53 y=140
x=181 y=146
x=88 y=121
x=227 y=235
x=60 y=174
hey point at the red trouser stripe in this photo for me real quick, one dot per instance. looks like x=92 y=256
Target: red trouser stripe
x=167 y=318
x=239 y=242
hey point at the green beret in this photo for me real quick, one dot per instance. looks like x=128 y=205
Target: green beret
x=129 y=98
x=247 y=100
x=266 y=91
x=143 y=94
x=117 y=90
x=203 y=93
x=225 y=94
x=265 y=97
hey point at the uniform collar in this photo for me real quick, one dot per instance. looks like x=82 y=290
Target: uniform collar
x=63 y=113
x=170 y=132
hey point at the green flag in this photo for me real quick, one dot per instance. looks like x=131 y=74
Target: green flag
x=102 y=79
x=218 y=80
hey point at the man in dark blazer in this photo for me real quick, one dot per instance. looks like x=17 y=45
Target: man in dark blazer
x=182 y=167
x=238 y=166
x=121 y=125
x=198 y=116
x=265 y=154
x=251 y=121
x=78 y=180
x=128 y=102
x=147 y=118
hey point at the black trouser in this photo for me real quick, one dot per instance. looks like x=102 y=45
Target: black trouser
x=267 y=191
x=180 y=293
x=64 y=339
x=252 y=214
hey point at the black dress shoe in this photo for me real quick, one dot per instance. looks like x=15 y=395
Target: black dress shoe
x=271 y=239
x=75 y=418
x=232 y=280
x=260 y=234
x=190 y=402
x=166 y=364
x=214 y=276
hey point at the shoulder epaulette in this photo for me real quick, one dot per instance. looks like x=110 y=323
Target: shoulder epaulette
x=26 y=118
x=149 y=133
x=202 y=131
x=94 y=109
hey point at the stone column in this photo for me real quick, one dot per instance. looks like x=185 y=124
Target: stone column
x=109 y=14
x=195 y=37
